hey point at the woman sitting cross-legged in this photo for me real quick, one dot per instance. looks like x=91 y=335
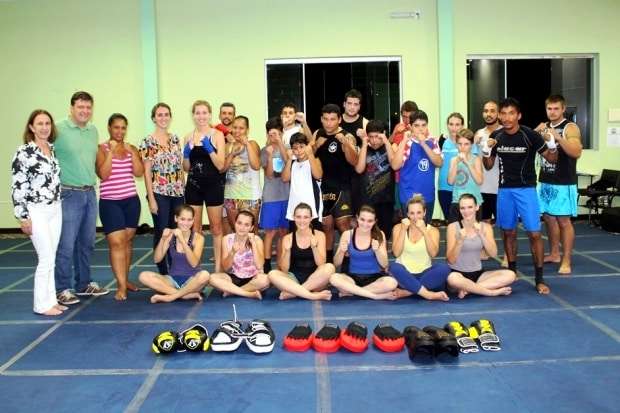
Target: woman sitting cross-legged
x=183 y=248
x=367 y=252
x=414 y=244
x=303 y=256
x=466 y=238
x=242 y=258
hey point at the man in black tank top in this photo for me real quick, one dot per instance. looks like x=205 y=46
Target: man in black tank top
x=337 y=151
x=355 y=124
x=558 y=182
x=352 y=121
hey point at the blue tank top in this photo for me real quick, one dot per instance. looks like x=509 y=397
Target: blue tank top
x=180 y=269
x=464 y=182
x=418 y=173
x=449 y=151
x=362 y=262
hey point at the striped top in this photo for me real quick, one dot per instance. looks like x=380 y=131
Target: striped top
x=120 y=184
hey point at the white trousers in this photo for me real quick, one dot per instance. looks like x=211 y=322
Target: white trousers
x=46 y=226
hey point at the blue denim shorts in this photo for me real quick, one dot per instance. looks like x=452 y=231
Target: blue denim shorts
x=117 y=215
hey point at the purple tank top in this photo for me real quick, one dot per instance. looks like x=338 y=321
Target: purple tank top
x=179 y=266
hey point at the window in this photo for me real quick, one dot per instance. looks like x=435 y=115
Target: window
x=531 y=79
x=311 y=83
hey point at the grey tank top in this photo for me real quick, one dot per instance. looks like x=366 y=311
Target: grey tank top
x=469 y=258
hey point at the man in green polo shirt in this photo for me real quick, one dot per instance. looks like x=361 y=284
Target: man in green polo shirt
x=76 y=150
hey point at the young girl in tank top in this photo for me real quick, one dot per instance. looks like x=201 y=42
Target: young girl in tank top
x=242 y=259
x=303 y=256
x=465 y=174
x=242 y=165
x=366 y=248
x=182 y=248
x=414 y=244
x=466 y=238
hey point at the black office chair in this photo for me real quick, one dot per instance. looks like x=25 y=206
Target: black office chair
x=601 y=193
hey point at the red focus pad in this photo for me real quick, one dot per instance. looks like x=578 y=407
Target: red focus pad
x=387 y=338
x=355 y=337
x=299 y=338
x=327 y=340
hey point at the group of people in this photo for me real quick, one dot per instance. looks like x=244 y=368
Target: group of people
x=350 y=176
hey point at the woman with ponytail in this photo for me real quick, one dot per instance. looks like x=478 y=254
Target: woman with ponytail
x=366 y=248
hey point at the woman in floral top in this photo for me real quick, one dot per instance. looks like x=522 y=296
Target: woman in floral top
x=36 y=198
x=163 y=173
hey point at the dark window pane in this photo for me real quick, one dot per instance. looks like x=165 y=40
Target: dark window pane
x=378 y=82
x=531 y=81
x=325 y=83
x=572 y=78
x=485 y=81
x=284 y=85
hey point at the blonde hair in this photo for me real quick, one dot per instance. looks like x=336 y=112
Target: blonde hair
x=201 y=103
x=465 y=133
x=417 y=199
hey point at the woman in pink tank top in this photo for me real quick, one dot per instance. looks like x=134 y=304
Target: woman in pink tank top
x=118 y=162
x=242 y=259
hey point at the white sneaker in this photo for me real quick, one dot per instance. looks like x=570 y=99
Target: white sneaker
x=93 y=289
x=66 y=297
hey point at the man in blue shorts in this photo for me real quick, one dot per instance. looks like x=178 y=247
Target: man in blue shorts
x=557 y=190
x=517 y=146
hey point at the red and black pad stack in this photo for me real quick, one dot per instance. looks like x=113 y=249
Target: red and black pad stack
x=327 y=340
x=299 y=339
x=355 y=337
x=387 y=338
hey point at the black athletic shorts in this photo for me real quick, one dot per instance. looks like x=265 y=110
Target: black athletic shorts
x=473 y=275
x=362 y=280
x=209 y=190
x=489 y=206
x=239 y=282
x=337 y=204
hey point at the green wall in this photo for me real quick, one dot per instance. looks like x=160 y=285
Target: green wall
x=217 y=51
x=213 y=50
x=547 y=27
x=50 y=49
